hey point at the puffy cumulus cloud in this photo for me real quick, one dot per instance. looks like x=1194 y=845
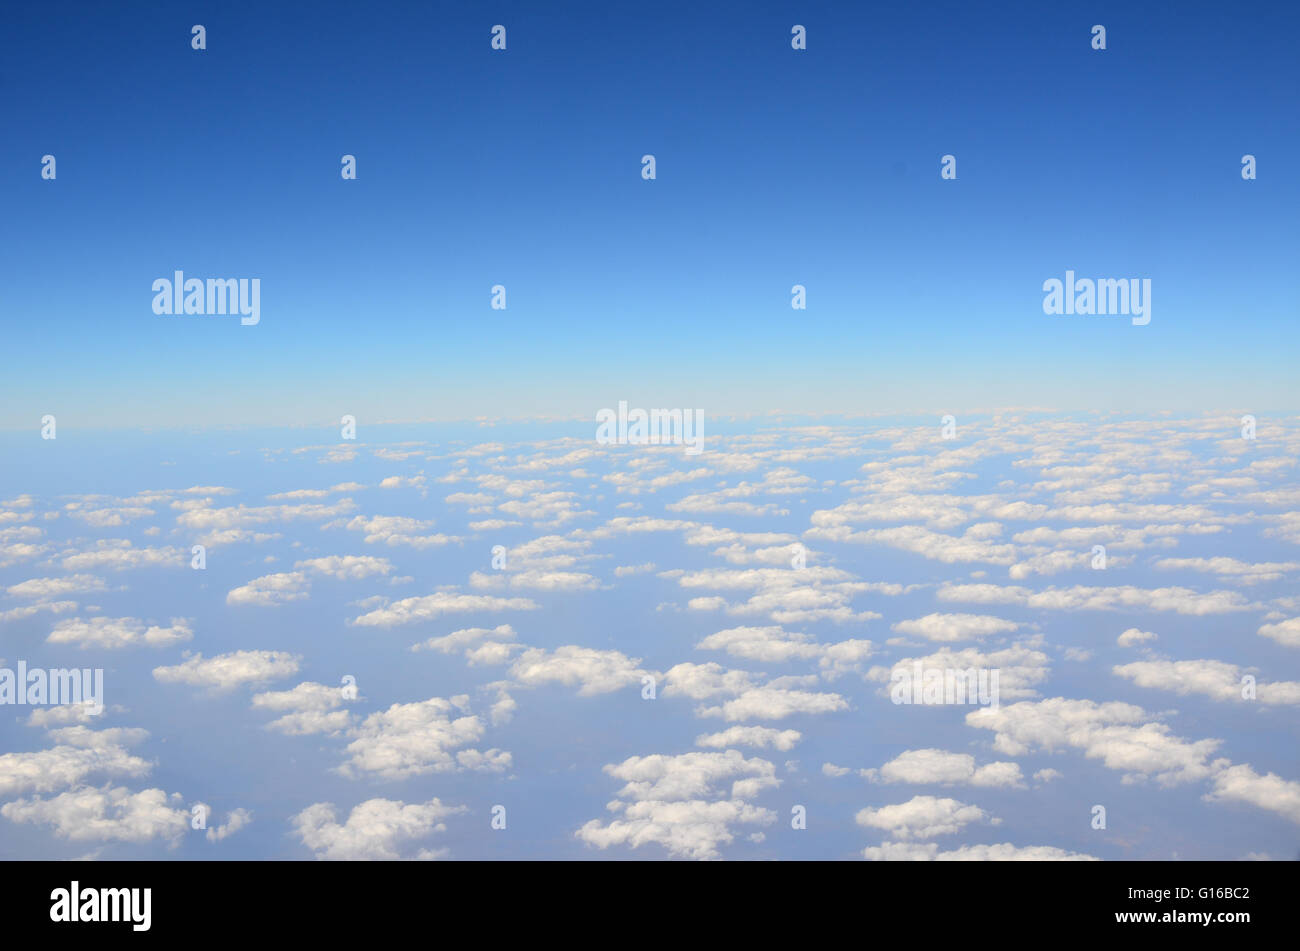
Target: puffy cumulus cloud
x=624 y=571
x=594 y=671
x=774 y=703
x=764 y=644
x=492 y=653
x=431 y=606
x=118 y=554
x=752 y=548
x=79 y=756
x=43 y=589
x=1002 y=852
x=227 y=671
x=545 y=509
x=66 y=713
x=693 y=776
x=1230 y=569
x=1113 y=536
x=843 y=657
x=946 y=769
x=467 y=639
x=627 y=525
x=492 y=524
x=113 y=516
x=1056 y=562
x=270 y=590
x=1130 y=512
x=1212 y=678
x=748 y=699
x=785 y=595
x=13 y=551
x=31 y=610
x=111 y=814
x=1132 y=637
x=477 y=501
x=346 y=567
x=955 y=627
x=398 y=530
x=921 y=817
x=115 y=633
x=694 y=829
x=82 y=736
x=504 y=707
x=297 y=494
x=1121 y=735
x=1286 y=633
x=1243 y=785
x=760 y=736
x=377 y=829
x=700 y=681
x=774 y=645
x=687 y=803
x=536 y=579
x=974 y=545
x=214 y=526
x=715 y=502
x=400 y=482
x=411 y=739
x=543 y=564
x=1083 y=598
x=236 y=819
x=307 y=708
x=1019 y=669
x=937 y=511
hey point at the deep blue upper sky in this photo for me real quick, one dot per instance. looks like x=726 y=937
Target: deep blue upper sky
x=522 y=168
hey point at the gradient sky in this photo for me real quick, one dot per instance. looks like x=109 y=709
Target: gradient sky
x=775 y=167
x=522 y=168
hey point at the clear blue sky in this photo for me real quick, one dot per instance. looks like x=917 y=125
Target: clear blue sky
x=522 y=168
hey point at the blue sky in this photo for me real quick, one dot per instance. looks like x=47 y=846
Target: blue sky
x=522 y=685
x=521 y=167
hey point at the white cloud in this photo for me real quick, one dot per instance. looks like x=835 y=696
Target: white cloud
x=116 y=633
x=1285 y=632
x=227 y=671
x=597 y=671
x=236 y=820
x=271 y=590
x=397 y=530
x=1133 y=637
x=944 y=768
x=760 y=736
x=377 y=829
x=1082 y=598
x=955 y=627
x=106 y=815
x=1212 y=678
x=687 y=803
x=411 y=739
x=429 y=607
x=45 y=588
x=1002 y=852
x=921 y=817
